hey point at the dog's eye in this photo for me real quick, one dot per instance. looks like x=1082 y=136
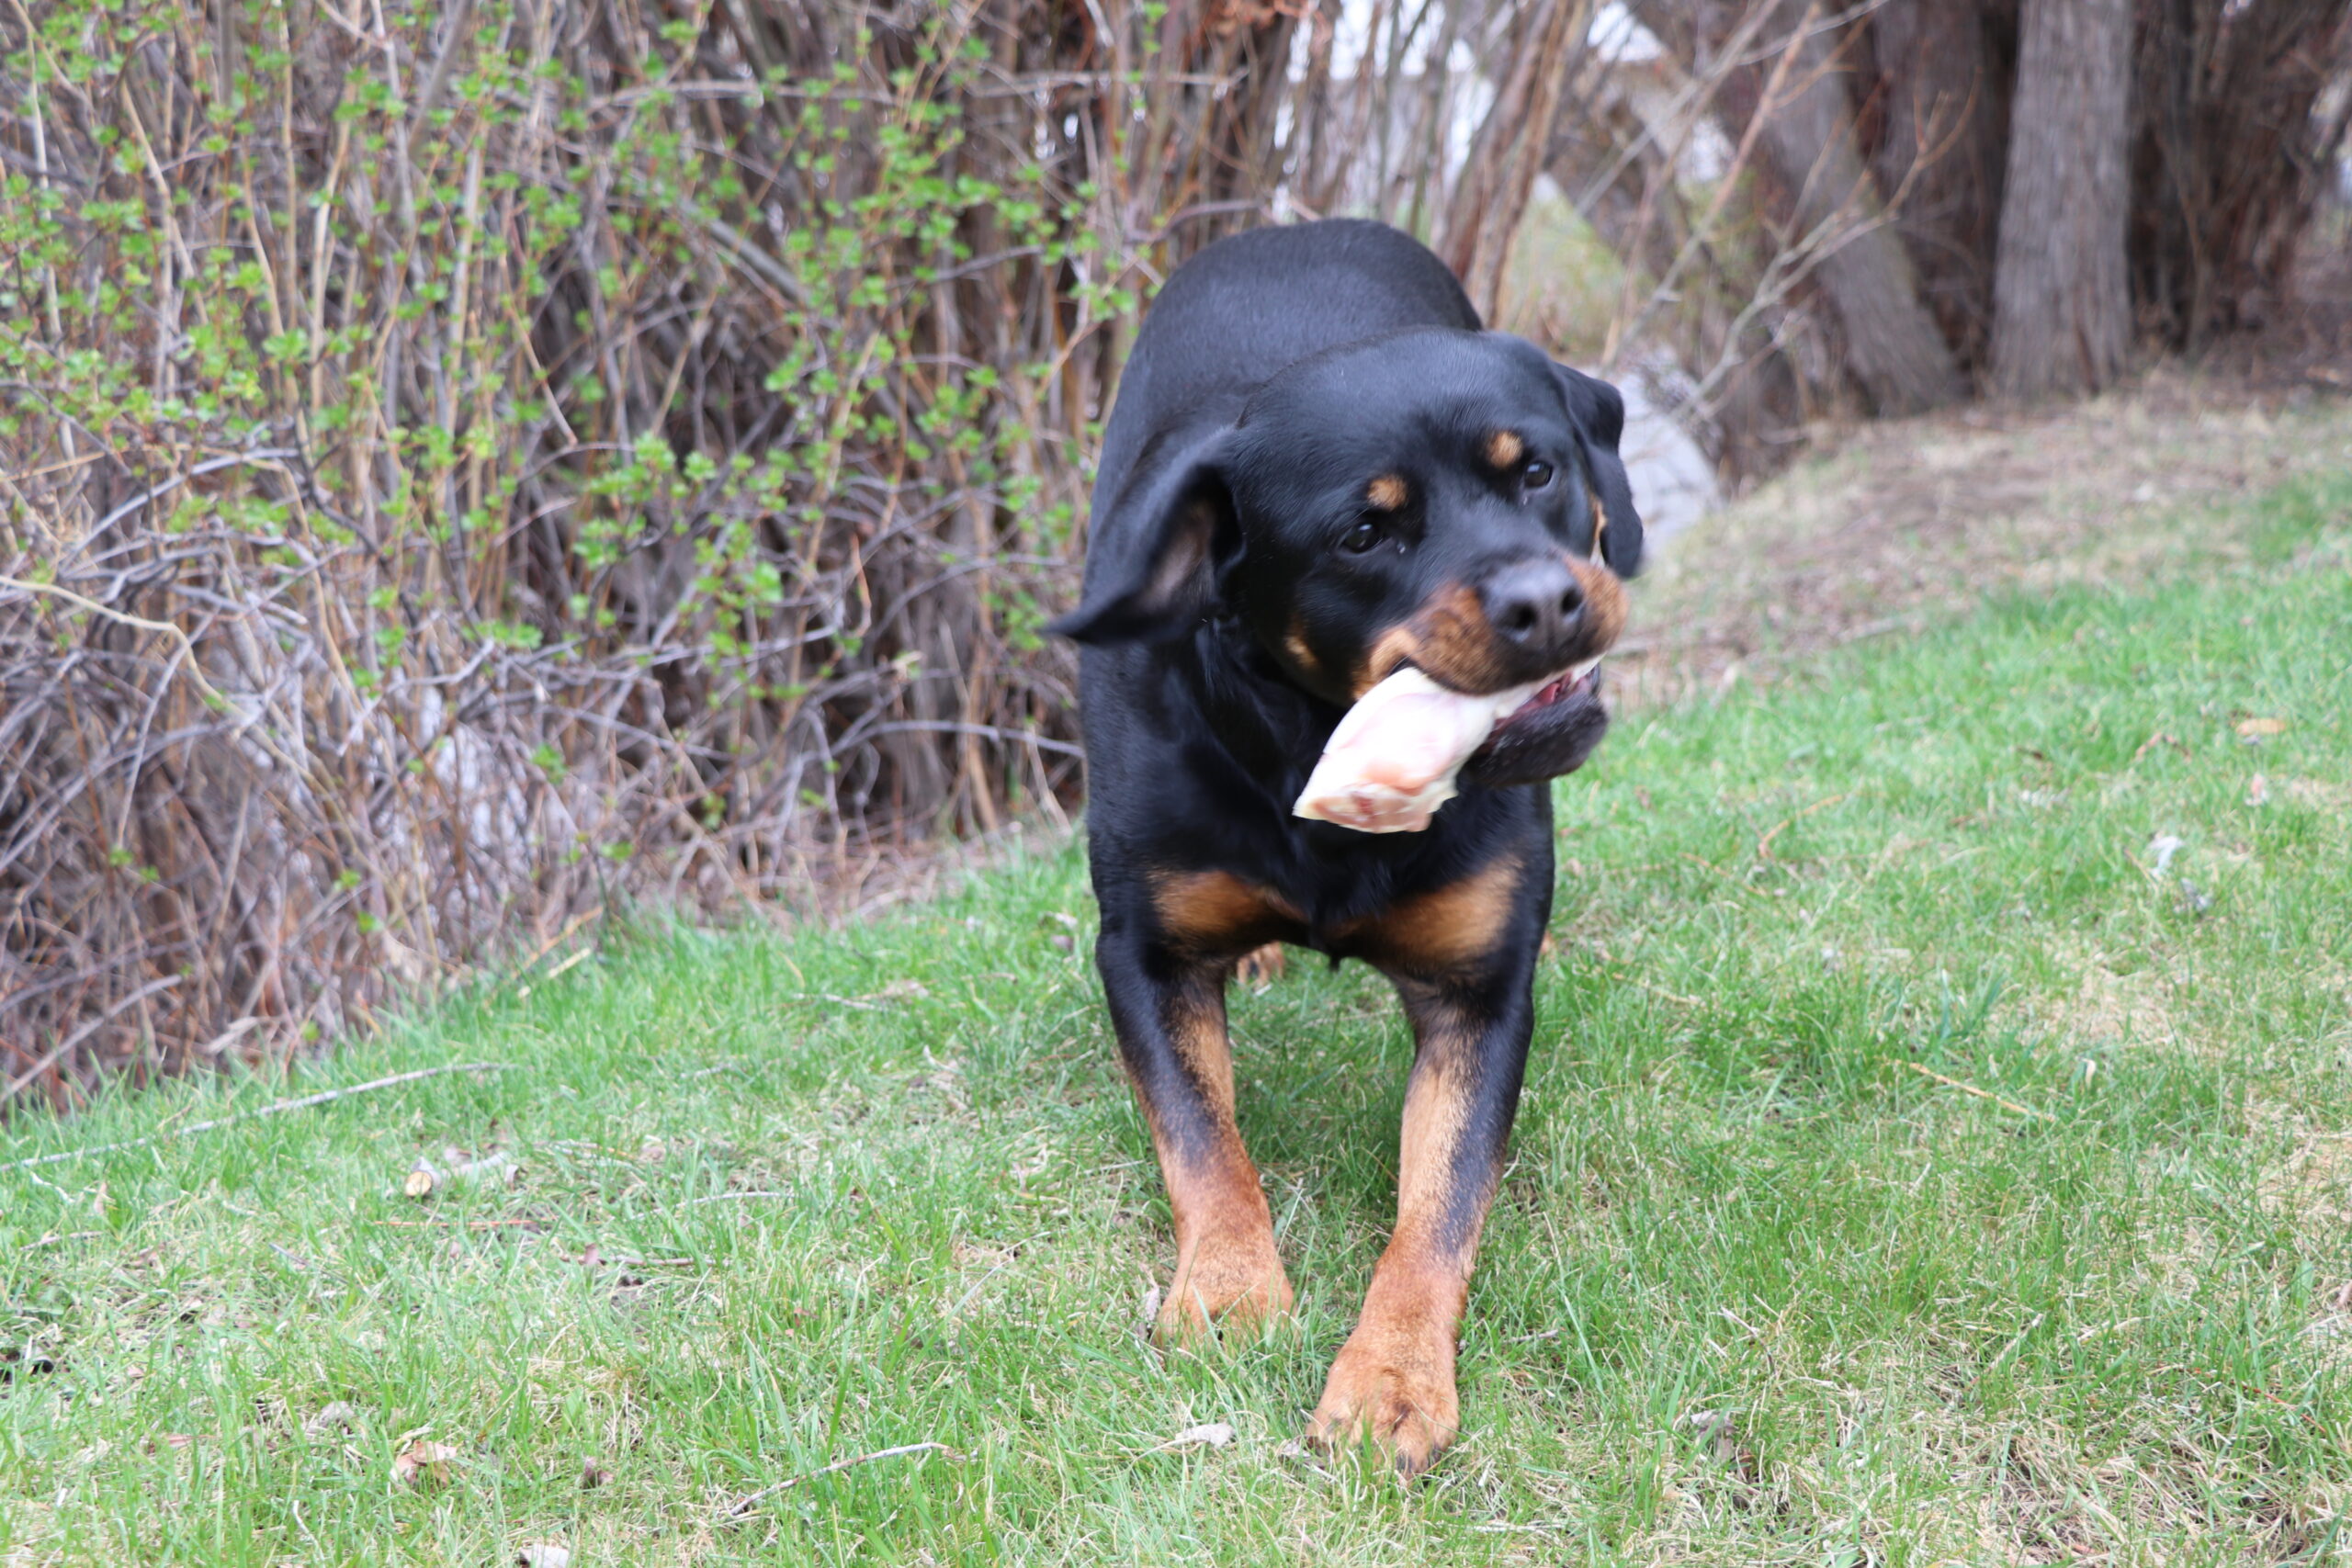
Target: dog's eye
x=1360 y=537
x=1536 y=475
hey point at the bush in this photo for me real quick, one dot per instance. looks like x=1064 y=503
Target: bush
x=470 y=464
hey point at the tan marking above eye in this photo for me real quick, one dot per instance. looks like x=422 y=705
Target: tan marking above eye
x=1504 y=448
x=1386 y=493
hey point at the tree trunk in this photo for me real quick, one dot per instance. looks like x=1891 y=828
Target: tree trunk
x=1892 y=344
x=1622 y=181
x=2231 y=149
x=2061 y=296
x=1936 y=124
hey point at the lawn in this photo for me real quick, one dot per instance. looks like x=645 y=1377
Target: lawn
x=1938 y=1150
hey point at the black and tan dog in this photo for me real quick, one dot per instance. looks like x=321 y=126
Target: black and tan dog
x=1320 y=468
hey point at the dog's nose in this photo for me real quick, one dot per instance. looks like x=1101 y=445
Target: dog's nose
x=1535 y=604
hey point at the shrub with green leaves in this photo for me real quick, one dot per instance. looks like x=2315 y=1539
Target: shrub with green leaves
x=470 y=463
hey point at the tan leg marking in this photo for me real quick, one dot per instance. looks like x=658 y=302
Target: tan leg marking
x=1226 y=1263
x=1391 y=1383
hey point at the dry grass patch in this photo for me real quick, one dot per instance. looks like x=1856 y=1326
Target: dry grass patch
x=1905 y=523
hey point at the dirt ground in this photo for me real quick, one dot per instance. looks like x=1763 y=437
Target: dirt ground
x=1892 y=526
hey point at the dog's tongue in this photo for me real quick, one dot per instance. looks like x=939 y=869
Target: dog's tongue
x=1578 y=679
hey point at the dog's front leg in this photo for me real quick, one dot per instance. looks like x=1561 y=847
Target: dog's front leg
x=1168 y=1008
x=1393 y=1382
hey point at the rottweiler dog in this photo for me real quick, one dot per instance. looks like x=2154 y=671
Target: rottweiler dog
x=1320 y=467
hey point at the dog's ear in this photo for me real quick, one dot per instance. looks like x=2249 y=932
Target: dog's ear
x=1175 y=530
x=1599 y=414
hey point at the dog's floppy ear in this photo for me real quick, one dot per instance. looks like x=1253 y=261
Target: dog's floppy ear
x=1599 y=414
x=1173 y=529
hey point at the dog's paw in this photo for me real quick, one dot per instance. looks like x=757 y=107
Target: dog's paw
x=1235 y=1278
x=1259 y=965
x=1399 y=1396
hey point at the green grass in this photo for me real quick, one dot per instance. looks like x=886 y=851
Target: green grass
x=1758 y=1290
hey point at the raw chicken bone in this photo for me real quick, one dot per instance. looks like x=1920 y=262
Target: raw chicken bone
x=1392 y=761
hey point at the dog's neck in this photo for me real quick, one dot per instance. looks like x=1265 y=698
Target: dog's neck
x=1273 y=729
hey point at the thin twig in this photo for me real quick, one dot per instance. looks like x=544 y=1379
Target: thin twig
x=278 y=1109
x=120 y=617
x=63 y=1047
x=743 y=1505
x=1925 y=1071
x=1764 y=844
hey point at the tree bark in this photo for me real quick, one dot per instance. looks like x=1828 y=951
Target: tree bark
x=1892 y=344
x=2061 y=295
x=1936 y=124
x=2231 y=149
x=1623 y=184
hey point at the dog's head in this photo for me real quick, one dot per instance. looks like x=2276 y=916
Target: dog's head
x=1449 y=499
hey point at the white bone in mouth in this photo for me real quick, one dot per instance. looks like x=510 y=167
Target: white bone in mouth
x=1391 y=762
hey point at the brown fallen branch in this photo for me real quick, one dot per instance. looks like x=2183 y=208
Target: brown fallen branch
x=278 y=1109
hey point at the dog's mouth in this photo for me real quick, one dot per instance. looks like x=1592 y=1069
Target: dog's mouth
x=1578 y=679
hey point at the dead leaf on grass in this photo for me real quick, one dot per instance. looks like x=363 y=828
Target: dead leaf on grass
x=1210 y=1434
x=543 y=1555
x=2257 y=793
x=424 y=1459
x=2254 y=729
x=339 y=1416
x=593 y=1474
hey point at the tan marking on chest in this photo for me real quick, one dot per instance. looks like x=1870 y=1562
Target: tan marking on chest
x=1451 y=930
x=1217 y=911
